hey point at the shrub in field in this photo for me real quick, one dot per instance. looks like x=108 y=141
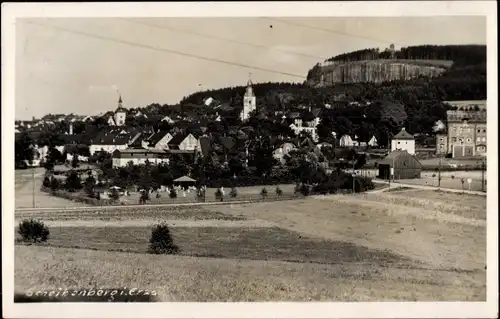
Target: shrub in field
x=73 y=182
x=279 y=192
x=219 y=195
x=233 y=193
x=54 y=184
x=161 y=241
x=33 y=231
x=89 y=186
x=200 y=194
x=304 y=190
x=46 y=181
x=144 y=196
x=114 y=194
x=173 y=193
x=263 y=193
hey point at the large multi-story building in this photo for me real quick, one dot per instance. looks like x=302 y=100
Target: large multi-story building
x=465 y=135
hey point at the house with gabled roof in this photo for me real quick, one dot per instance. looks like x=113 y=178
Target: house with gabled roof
x=403 y=141
x=184 y=142
x=111 y=140
x=159 y=140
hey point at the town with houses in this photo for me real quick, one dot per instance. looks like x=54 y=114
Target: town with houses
x=465 y=135
x=365 y=181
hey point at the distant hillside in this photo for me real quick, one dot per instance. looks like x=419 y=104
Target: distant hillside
x=372 y=66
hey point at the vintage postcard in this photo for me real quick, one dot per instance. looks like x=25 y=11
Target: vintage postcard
x=250 y=159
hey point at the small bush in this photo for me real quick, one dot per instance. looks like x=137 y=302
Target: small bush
x=304 y=190
x=54 y=184
x=46 y=182
x=219 y=194
x=73 y=182
x=33 y=231
x=279 y=192
x=161 y=241
x=114 y=194
x=263 y=193
x=173 y=193
x=233 y=192
x=200 y=194
x=144 y=196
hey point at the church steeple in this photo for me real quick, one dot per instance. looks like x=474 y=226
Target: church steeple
x=120 y=102
x=249 y=101
x=249 y=90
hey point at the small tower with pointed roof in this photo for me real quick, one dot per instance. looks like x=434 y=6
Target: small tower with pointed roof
x=120 y=113
x=249 y=102
x=403 y=141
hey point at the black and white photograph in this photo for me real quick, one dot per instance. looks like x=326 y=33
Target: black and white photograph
x=188 y=154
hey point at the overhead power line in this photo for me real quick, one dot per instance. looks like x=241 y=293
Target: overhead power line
x=158 y=49
x=298 y=24
x=209 y=36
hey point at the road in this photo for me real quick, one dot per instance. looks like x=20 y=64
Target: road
x=451 y=190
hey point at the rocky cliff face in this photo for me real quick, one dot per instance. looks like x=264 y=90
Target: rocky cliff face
x=376 y=71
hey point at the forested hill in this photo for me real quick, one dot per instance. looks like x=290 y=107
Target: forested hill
x=461 y=55
x=465 y=80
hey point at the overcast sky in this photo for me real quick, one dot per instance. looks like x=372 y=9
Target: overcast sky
x=69 y=72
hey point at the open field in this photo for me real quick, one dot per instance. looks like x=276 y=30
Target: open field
x=146 y=213
x=24 y=191
x=257 y=243
x=179 y=278
x=408 y=245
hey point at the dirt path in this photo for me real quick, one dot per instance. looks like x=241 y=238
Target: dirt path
x=152 y=222
x=24 y=193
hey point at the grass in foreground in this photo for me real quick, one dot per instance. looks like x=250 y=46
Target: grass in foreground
x=237 y=243
x=177 y=278
x=168 y=213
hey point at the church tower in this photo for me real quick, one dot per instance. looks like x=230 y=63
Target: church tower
x=249 y=102
x=120 y=113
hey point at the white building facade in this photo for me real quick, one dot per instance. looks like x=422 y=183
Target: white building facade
x=249 y=102
x=403 y=141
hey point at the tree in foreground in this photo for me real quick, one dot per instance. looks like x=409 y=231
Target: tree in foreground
x=73 y=182
x=114 y=194
x=33 y=231
x=279 y=192
x=144 y=196
x=161 y=241
x=233 y=192
x=263 y=193
x=173 y=193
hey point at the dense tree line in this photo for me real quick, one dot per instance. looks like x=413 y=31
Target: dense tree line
x=460 y=54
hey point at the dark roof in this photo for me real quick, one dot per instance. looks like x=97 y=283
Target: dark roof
x=206 y=145
x=403 y=135
x=113 y=137
x=73 y=138
x=177 y=139
x=226 y=107
x=316 y=112
x=156 y=137
x=226 y=142
x=393 y=156
x=294 y=115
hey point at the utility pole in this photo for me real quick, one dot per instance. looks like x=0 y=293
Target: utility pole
x=353 y=177
x=33 y=181
x=439 y=173
x=482 y=176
